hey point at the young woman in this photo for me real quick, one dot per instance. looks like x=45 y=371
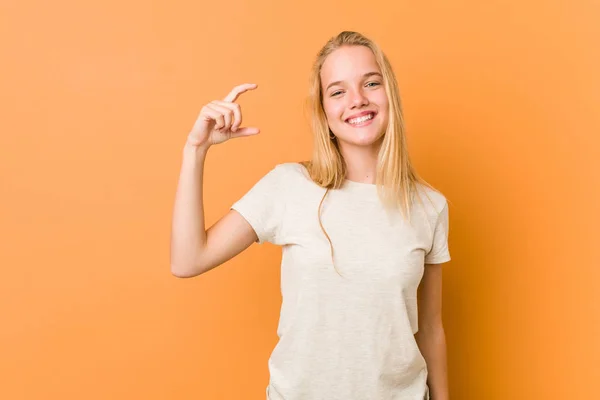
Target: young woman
x=363 y=238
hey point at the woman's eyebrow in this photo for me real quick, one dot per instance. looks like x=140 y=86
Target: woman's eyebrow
x=367 y=75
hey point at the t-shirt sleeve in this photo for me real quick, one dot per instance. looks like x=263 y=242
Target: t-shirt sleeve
x=263 y=206
x=439 y=252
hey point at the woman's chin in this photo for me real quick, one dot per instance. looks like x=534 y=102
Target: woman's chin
x=362 y=139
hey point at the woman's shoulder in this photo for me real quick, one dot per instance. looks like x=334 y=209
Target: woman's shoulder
x=291 y=170
x=431 y=197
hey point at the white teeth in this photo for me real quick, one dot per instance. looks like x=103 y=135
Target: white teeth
x=360 y=119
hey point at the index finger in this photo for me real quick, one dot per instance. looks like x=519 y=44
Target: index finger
x=234 y=94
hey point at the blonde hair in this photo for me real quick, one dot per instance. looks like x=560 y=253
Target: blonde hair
x=396 y=178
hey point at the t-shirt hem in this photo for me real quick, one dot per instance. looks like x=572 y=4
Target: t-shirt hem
x=251 y=220
x=438 y=260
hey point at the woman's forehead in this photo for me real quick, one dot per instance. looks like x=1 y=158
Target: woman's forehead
x=348 y=63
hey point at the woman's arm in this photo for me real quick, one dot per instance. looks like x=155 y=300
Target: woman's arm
x=431 y=337
x=195 y=250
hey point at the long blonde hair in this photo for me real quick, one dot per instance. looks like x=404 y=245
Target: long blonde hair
x=396 y=178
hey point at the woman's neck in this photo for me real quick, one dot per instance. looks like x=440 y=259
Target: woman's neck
x=361 y=162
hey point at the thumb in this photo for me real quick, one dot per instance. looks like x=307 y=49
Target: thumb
x=245 y=132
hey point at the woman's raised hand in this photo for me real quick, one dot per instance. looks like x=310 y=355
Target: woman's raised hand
x=220 y=120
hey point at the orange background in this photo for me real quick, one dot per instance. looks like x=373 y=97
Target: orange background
x=501 y=101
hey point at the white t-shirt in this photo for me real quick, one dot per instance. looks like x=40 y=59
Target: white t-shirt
x=348 y=337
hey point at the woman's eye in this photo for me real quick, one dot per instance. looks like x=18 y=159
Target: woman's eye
x=373 y=84
x=336 y=93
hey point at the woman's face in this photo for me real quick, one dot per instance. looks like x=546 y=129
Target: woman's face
x=354 y=98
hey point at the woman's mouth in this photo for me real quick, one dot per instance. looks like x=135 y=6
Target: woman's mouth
x=361 y=120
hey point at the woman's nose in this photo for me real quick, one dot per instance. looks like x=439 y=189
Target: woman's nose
x=358 y=99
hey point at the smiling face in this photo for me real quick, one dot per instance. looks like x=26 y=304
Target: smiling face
x=354 y=98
